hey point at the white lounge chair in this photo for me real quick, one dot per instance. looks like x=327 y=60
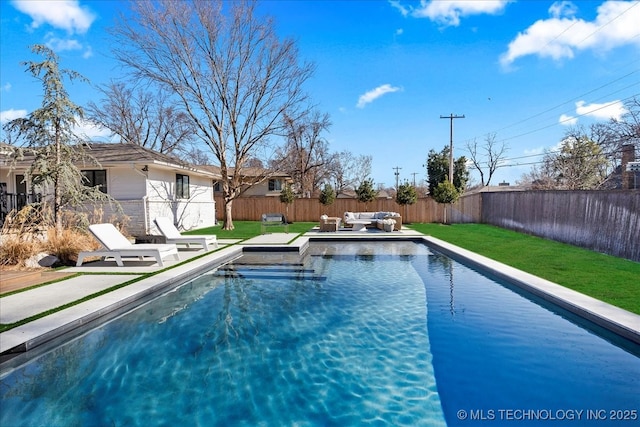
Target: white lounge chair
x=117 y=246
x=171 y=233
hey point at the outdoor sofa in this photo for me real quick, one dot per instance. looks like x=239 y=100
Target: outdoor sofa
x=374 y=218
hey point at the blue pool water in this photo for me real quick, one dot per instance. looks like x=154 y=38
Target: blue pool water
x=352 y=334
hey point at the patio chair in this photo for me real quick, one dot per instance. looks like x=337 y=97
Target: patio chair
x=116 y=246
x=273 y=219
x=329 y=223
x=171 y=233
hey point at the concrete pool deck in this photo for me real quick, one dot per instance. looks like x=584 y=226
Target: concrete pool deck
x=110 y=290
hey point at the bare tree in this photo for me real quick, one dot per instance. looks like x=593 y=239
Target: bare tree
x=349 y=171
x=138 y=116
x=231 y=73
x=613 y=135
x=305 y=155
x=487 y=158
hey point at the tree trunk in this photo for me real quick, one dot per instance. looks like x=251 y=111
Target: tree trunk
x=227 y=223
x=57 y=186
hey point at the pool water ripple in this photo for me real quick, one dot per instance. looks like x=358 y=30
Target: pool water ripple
x=361 y=337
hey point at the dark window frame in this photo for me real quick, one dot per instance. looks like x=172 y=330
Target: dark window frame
x=91 y=179
x=182 y=186
x=275 y=184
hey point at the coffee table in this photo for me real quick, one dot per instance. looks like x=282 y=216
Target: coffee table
x=359 y=224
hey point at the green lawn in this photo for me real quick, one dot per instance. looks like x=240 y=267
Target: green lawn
x=607 y=278
x=248 y=229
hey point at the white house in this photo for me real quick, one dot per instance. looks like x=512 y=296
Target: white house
x=146 y=184
x=266 y=187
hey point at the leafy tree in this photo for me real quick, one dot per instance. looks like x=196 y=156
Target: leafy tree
x=48 y=136
x=406 y=195
x=327 y=195
x=230 y=72
x=438 y=170
x=365 y=192
x=579 y=164
x=446 y=193
x=287 y=197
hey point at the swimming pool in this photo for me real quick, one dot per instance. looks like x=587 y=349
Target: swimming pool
x=352 y=333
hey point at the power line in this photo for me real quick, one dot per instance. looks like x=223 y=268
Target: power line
x=634 y=4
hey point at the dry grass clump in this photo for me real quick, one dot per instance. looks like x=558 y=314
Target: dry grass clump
x=67 y=244
x=15 y=251
x=31 y=231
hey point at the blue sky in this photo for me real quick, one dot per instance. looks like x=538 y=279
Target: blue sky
x=387 y=70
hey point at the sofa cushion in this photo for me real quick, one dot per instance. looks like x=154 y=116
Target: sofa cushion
x=366 y=215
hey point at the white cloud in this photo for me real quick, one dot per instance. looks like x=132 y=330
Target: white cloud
x=448 y=13
x=567 y=120
x=606 y=111
x=563 y=9
x=562 y=35
x=534 y=151
x=374 y=94
x=6 y=87
x=88 y=53
x=396 y=4
x=64 y=14
x=91 y=131
x=60 y=45
x=8 y=115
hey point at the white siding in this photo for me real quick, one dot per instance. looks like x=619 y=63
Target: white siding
x=146 y=195
x=196 y=212
x=126 y=183
x=262 y=189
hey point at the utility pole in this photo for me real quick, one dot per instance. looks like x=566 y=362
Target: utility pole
x=451 y=117
x=397 y=174
x=414 y=178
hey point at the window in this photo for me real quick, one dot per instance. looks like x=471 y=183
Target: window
x=182 y=186
x=217 y=186
x=275 y=185
x=95 y=178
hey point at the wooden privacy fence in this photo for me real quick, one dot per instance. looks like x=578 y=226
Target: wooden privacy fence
x=603 y=221
x=310 y=210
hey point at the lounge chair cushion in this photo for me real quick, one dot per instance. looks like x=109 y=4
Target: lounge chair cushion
x=116 y=245
x=172 y=234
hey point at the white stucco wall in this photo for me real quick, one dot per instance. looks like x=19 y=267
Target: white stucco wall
x=126 y=183
x=146 y=195
x=196 y=212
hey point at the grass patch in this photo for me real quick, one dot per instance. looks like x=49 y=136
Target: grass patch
x=607 y=278
x=248 y=229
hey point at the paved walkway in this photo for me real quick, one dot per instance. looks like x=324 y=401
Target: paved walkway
x=99 y=276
